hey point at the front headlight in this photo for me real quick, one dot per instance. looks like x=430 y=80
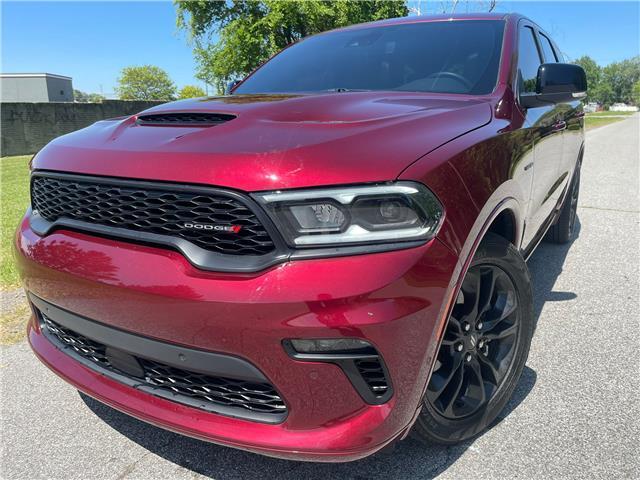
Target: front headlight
x=403 y=211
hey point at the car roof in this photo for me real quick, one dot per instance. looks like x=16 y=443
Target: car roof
x=430 y=18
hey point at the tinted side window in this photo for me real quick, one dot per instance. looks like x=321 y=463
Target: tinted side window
x=549 y=53
x=528 y=61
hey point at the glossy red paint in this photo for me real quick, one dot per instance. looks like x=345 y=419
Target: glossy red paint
x=473 y=152
x=286 y=141
x=395 y=306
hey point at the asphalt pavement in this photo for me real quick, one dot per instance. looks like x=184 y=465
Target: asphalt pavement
x=574 y=413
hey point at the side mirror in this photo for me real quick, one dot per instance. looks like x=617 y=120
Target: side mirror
x=230 y=86
x=556 y=83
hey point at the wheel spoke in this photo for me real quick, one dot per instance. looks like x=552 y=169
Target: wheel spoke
x=448 y=410
x=505 y=306
x=487 y=286
x=509 y=308
x=489 y=367
x=473 y=283
x=475 y=368
x=504 y=333
x=454 y=325
x=444 y=382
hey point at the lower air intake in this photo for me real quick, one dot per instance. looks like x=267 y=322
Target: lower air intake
x=233 y=397
x=374 y=376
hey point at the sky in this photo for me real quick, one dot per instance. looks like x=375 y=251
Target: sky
x=92 y=41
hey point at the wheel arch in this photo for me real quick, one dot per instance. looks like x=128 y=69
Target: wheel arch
x=504 y=213
x=504 y=225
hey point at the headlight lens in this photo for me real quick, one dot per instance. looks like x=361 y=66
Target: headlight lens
x=403 y=211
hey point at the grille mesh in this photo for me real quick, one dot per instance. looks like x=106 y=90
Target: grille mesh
x=260 y=397
x=82 y=345
x=238 y=394
x=373 y=374
x=153 y=210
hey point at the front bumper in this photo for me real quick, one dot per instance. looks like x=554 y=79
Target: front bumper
x=395 y=300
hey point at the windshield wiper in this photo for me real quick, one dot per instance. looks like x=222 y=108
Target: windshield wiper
x=342 y=89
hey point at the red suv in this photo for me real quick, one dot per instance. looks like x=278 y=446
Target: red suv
x=323 y=259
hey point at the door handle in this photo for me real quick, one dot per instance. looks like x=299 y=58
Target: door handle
x=559 y=126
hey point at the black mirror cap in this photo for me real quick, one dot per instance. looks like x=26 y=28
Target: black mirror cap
x=556 y=83
x=561 y=78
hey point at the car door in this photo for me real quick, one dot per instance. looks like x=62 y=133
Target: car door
x=546 y=125
x=572 y=117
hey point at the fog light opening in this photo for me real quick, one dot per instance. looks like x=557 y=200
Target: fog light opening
x=332 y=345
x=359 y=360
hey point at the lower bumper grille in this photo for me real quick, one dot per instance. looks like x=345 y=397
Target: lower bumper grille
x=374 y=375
x=84 y=347
x=234 y=397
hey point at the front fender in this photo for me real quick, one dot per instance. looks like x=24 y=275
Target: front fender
x=476 y=177
x=472 y=176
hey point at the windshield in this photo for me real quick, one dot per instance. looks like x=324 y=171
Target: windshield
x=445 y=57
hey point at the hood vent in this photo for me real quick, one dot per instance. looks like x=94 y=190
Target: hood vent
x=184 y=119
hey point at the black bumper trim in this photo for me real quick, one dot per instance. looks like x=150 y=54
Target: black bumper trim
x=348 y=362
x=200 y=361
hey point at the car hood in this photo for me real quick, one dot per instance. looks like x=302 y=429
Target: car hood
x=272 y=141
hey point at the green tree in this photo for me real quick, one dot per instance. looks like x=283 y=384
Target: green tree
x=96 y=98
x=191 y=91
x=593 y=71
x=250 y=31
x=146 y=82
x=603 y=93
x=636 y=93
x=621 y=77
x=80 y=96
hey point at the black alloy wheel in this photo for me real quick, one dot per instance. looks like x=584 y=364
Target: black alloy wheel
x=483 y=349
x=478 y=345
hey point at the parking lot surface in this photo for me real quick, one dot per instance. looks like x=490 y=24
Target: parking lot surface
x=573 y=415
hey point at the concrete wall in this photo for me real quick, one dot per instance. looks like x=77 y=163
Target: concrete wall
x=26 y=127
x=21 y=89
x=60 y=89
x=35 y=87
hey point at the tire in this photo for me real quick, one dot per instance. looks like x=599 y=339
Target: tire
x=484 y=347
x=562 y=231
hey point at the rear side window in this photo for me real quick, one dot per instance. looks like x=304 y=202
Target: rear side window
x=549 y=53
x=528 y=61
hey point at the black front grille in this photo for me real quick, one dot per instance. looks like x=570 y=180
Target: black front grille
x=374 y=376
x=83 y=346
x=154 y=210
x=191 y=119
x=191 y=388
x=258 y=397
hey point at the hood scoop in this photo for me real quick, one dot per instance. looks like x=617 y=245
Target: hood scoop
x=184 y=119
